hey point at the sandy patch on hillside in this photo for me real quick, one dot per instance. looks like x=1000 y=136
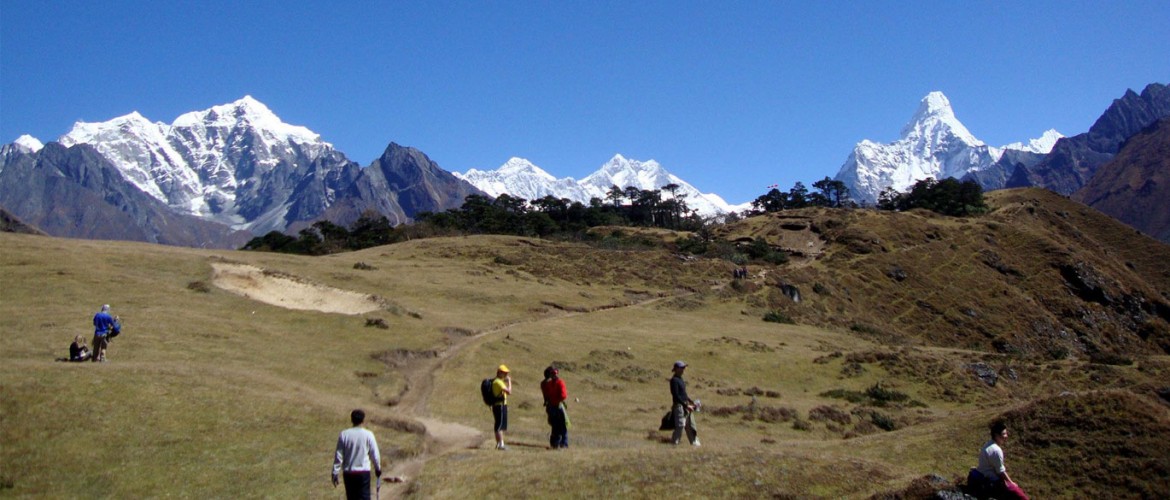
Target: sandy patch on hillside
x=289 y=292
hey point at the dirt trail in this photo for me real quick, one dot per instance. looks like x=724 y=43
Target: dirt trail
x=444 y=437
x=419 y=373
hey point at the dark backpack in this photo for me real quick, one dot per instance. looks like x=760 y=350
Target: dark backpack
x=485 y=389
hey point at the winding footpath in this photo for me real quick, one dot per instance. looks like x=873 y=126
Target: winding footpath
x=442 y=437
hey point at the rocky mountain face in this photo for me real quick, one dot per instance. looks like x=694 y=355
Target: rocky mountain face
x=933 y=144
x=519 y=177
x=399 y=184
x=1134 y=187
x=1074 y=160
x=77 y=192
x=237 y=166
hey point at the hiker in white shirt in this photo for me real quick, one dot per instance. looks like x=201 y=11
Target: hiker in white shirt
x=357 y=450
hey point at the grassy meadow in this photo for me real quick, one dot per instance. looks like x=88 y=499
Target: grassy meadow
x=210 y=393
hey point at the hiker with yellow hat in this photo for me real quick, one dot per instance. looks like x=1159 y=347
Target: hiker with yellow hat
x=501 y=388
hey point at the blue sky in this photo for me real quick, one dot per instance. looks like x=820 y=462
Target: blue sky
x=730 y=96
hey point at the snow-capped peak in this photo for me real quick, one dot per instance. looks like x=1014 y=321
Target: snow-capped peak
x=935 y=117
x=519 y=166
x=133 y=124
x=243 y=112
x=28 y=142
x=519 y=177
x=619 y=162
x=934 y=144
x=1041 y=145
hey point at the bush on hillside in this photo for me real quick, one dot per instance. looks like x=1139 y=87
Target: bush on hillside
x=947 y=197
x=778 y=317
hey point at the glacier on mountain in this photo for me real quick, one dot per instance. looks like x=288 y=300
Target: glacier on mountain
x=520 y=178
x=934 y=143
x=224 y=164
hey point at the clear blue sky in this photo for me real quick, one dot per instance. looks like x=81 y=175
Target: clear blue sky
x=730 y=96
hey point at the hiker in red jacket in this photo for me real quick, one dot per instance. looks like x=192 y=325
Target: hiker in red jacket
x=555 y=395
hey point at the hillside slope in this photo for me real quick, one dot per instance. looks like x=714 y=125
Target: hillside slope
x=1039 y=275
x=231 y=375
x=1135 y=186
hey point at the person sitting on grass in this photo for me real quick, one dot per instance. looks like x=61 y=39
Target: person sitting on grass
x=78 y=351
x=990 y=477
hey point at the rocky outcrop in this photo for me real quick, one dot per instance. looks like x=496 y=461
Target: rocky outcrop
x=1135 y=186
x=1075 y=160
x=75 y=192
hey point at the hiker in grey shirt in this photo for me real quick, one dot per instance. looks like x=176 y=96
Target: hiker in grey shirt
x=356 y=451
x=682 y=407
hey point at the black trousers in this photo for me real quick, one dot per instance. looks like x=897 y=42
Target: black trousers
x=357 y=485
x=559 y=438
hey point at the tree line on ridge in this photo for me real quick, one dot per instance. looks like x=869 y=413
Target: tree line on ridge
x=631 y=206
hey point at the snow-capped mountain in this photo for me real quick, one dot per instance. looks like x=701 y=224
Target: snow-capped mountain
x=236 y=164
x=933 y=144
x=29 y=143
x=519 y=177
x=25 y=144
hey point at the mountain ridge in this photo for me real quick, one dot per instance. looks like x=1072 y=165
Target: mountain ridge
x=240 y=166
x=934 y=143
x=1074 y=160
x=1134 y=186
x=520 y=177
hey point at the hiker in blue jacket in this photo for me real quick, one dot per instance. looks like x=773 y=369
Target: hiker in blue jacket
x=103 y=325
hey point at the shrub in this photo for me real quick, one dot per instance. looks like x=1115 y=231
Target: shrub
x=881 y=395
x=691 y=245
x=777 y=258
x=778 y=317
x=199 y=286
x=850 y=396
x=829 y=414
x=1103 y=358
x=883 y=421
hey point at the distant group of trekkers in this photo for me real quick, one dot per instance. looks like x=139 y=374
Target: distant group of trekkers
x=357 y=450
x=105 y=328
x=739 y=273
x=496 y=391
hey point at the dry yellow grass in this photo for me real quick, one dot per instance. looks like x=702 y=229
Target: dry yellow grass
x=211 y=393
